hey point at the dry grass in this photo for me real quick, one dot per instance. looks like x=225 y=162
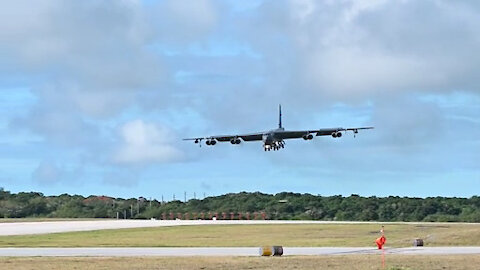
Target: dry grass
x=396 y=262
x=309 y=235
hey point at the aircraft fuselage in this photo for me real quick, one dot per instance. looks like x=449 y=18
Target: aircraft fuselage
x=271 y=140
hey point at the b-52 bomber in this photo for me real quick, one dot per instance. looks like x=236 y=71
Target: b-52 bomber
x=274 y=139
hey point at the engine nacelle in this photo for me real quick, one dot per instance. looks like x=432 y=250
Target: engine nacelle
x=211 y=142
x=235 y=141
x=337 y=134
x=307 y=136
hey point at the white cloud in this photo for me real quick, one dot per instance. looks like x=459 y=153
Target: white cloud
x=184 y=21
x=83 y=51
x=146 y=143
x=355 y=50
x=302 y=9
x=93 y=64
x=49 y=172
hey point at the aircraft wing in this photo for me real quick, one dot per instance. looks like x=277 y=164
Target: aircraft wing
x=278 y=134
x=317 y=132
x=227 y=138
x=329 y=131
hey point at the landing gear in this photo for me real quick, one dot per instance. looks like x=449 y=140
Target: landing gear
x=279 y=145
x=275 y=146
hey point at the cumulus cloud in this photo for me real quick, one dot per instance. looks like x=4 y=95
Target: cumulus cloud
x=84 y=50
x=146 y=143
x=355 y=49
x=184 y=21
x=49 y=172
x=206 y=67
x=105 y=58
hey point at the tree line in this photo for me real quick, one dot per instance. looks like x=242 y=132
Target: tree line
x=284 y=205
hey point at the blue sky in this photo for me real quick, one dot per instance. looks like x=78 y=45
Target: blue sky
x=96 y=96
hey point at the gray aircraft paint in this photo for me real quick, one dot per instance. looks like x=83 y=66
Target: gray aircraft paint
x=274 y=139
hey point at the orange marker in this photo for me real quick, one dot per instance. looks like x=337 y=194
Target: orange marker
x=380 y=242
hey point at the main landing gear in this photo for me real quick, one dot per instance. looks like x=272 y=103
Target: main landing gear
x=274 y=146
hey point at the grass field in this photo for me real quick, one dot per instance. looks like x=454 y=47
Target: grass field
x=393 y=262
x=313 y=235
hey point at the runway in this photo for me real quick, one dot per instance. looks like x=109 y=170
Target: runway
x=25 y=228
x=225 y=251
x=44 y=227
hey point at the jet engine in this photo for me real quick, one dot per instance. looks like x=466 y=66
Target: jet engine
x=337 y=134
x=235 y=141
x=307 y=136
x=211 y=142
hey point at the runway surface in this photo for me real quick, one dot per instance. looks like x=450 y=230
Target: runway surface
x=226 y=251
x=44 y=227
x=22 y=228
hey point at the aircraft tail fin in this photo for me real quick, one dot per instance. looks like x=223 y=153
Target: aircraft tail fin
x=280 y=116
